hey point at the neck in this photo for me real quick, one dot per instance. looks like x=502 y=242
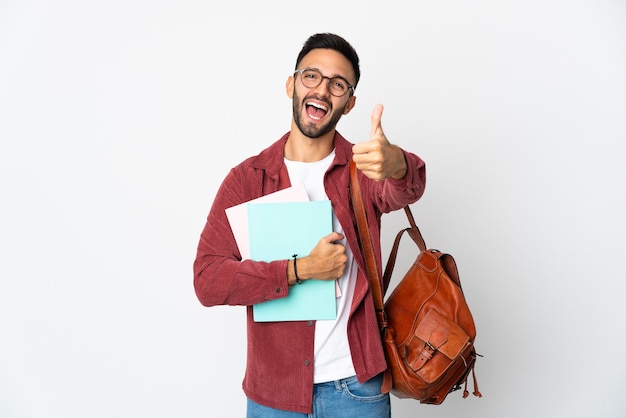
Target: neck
x=302 y=148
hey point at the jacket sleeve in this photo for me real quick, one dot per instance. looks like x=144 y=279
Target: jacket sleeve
x=391 y=194
x=220 y=276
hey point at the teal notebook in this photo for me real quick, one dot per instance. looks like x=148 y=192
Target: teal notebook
x=276 y=232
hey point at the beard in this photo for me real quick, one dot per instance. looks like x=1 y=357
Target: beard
x=312 y=130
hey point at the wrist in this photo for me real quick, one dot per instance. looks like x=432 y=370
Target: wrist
x=401 y=172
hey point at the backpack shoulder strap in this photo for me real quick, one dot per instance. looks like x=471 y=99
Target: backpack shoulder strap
x=366 y=245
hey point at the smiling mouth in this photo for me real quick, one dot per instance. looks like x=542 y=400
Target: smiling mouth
x=316 y=111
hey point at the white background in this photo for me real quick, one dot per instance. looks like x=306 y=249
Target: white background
x=119 y=119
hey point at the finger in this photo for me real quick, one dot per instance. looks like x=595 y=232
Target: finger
x=363 y=148
x=377 y=129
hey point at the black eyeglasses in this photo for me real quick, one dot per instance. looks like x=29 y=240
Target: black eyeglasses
x=312 y=77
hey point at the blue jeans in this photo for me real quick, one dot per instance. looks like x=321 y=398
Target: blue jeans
x=345 y=398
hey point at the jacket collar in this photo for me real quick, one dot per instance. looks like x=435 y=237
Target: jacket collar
x=272 y=158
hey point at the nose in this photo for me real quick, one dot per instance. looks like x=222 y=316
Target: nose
x=324 y=85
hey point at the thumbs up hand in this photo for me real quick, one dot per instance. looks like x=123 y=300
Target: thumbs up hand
x=377 y=158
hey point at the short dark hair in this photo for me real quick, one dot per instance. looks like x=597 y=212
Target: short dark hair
x=334 y=42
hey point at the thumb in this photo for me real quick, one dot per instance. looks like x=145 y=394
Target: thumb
x=377 y=129
x=334 y=236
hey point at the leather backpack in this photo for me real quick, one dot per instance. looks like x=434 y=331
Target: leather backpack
x=426 y=326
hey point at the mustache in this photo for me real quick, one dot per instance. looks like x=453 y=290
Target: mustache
x=319 y=99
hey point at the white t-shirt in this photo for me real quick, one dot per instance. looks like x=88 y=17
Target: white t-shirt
x=333 y=360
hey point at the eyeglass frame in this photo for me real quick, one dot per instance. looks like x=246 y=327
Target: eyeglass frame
x=350 y=86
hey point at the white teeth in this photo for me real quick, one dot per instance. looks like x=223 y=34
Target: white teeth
x=319 y=106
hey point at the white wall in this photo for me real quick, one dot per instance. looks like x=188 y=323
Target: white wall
x=119 y=119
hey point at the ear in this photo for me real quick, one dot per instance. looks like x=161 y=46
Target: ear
x=350 y=105
x=289 y=85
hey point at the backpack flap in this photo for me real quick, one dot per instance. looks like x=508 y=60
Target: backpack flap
x=441 y=340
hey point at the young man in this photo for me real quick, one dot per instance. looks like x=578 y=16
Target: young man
x=295 y=368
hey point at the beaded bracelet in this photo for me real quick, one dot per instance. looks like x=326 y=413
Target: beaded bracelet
x=295 y=269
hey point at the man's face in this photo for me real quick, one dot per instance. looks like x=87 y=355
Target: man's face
x=316 y=111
